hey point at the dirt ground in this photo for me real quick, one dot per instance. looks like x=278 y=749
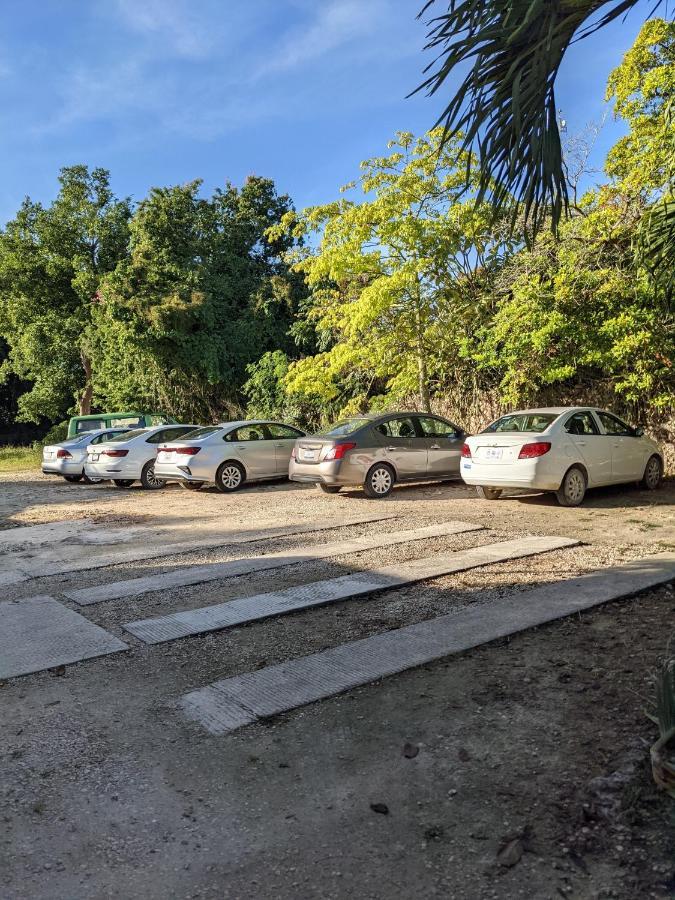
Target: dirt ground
x=536 y=746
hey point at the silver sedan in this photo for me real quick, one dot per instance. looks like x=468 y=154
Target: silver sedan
x=376 y=451
x=68 y=458
x=228 y=454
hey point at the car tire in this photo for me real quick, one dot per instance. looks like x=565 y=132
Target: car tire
x=379 y=481
x=573 y=487
x=330 y=488
x=653 y=473
x=488 y=493
x=73 y=479
x=123 y=482
x=148 y=479
x=230 y=477
x=192 y=485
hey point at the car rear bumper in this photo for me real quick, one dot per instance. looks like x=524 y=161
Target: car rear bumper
x=170 y=472
x=61 y=467
x=112 y=470
x=333 y=472
x=524 y=474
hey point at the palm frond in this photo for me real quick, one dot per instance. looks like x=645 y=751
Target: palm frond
x=656 y=241
x=505 y=106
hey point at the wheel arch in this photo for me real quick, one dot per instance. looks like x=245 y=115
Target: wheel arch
x=575 y=465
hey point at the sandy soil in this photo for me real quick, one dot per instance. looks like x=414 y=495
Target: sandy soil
x=539 y=741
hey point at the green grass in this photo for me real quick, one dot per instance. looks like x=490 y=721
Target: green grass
x=20 y=459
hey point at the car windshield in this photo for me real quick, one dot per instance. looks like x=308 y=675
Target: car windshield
x=200 y=433
x=347 y=427
x=533 y=423
x=128 y=435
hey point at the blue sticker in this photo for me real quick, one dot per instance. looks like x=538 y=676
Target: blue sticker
x=466 y=465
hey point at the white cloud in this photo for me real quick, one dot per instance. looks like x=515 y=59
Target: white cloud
x=170 y=21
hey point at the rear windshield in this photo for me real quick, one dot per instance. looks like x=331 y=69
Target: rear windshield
x=128 y=435
x=533 y=423
x=200 y=433
x=347 y=427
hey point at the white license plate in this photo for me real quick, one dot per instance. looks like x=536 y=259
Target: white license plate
x=308 y=454
x=93 y=457
x=168 y=457
x=49 y=455
x=493 y=452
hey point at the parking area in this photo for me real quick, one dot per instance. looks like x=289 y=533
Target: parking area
x=432 y=780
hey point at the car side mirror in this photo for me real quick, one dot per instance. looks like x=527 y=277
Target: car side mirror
x=639 y=431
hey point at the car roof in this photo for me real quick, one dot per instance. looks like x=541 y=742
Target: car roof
x=551 y=410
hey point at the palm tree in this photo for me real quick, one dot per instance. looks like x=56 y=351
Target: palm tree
x=505 y=105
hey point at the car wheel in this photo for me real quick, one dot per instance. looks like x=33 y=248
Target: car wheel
x=73 y=478
x=573 y=488
x=148 y=479
x=192 y=485
x=330 y=488
x=653 y=473
x=87 y=480
x=379 y=481
x=123 y=482
x=488 y=493
x=230 y=477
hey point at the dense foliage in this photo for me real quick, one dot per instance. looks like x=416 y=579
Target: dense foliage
x=403 y=290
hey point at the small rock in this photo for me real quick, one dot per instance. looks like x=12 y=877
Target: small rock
x=380 y=808
x=464 y=754
x=410 y=751
x=510 y=852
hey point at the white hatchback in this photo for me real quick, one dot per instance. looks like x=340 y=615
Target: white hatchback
x=131 y=456
x=561 y=449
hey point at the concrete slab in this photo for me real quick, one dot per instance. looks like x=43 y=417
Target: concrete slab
x=187 y=575
x=78 y=555
x=319 y=593
x=40 y=633
x=228 y=704
x=33 y=535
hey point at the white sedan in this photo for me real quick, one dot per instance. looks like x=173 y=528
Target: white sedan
x=131 y=456
x=68 y=458
x=561 y=449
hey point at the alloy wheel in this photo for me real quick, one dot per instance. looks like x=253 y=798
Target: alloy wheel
x=231 y=477
x=652 y=473
x=575 y=487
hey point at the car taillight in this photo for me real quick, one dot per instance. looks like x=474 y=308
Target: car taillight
x=339 y=450
x=184 y=451
x=114 y=453
x=63 y=454
x=536 y=448
x=293 y=452
x=466 y=451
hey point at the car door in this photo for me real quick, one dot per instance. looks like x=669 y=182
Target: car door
x=284 y=438
x=404 y=446
x=628 y=454
x=585 y=443
x=256 y=452
x=443 y=442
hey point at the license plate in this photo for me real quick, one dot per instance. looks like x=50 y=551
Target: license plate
x=493 y=452
x=49 y=455
x=94 y=457
x=308 y=454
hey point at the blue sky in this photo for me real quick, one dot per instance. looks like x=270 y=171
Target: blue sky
x=164 y=91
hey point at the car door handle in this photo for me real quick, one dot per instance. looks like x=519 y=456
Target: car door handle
x=390 y=448
x=278 y=445
x=435 y=447
x=581 y=443
x=241 y=446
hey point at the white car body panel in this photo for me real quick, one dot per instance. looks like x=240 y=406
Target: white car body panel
x=606 y=458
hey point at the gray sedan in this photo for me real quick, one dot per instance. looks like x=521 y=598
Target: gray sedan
x=376 y=451
x=68 y=458
x=228 y=454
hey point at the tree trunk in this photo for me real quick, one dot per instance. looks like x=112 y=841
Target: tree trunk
x=422 y=375
x=87 y=393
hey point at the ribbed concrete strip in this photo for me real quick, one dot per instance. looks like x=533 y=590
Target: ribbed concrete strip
x=40 y=633
x=319 y=593
x=187 y=575
x=226 y=705
x=42 y=564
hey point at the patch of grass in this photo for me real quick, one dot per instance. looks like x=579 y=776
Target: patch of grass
x=20 y=459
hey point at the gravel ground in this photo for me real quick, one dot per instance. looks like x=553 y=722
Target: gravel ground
x=108 y=792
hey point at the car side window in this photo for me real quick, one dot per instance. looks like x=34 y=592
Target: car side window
x=581 y=423
x=398 y=428
x=89 y=425
x=614 y=426
x=281 y=432
x=103 y=437
x=167 y=434
x=247 y=433
x=437 y=427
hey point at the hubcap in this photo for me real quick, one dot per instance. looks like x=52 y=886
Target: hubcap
x=653 y=472
x=575 y=486
x=381 y=481
x=231 y=477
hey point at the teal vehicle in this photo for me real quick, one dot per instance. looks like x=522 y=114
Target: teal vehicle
x=80 y=424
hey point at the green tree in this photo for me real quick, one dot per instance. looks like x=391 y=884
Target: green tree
x=201 y=295
x=388 y=274
x=52 y=260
